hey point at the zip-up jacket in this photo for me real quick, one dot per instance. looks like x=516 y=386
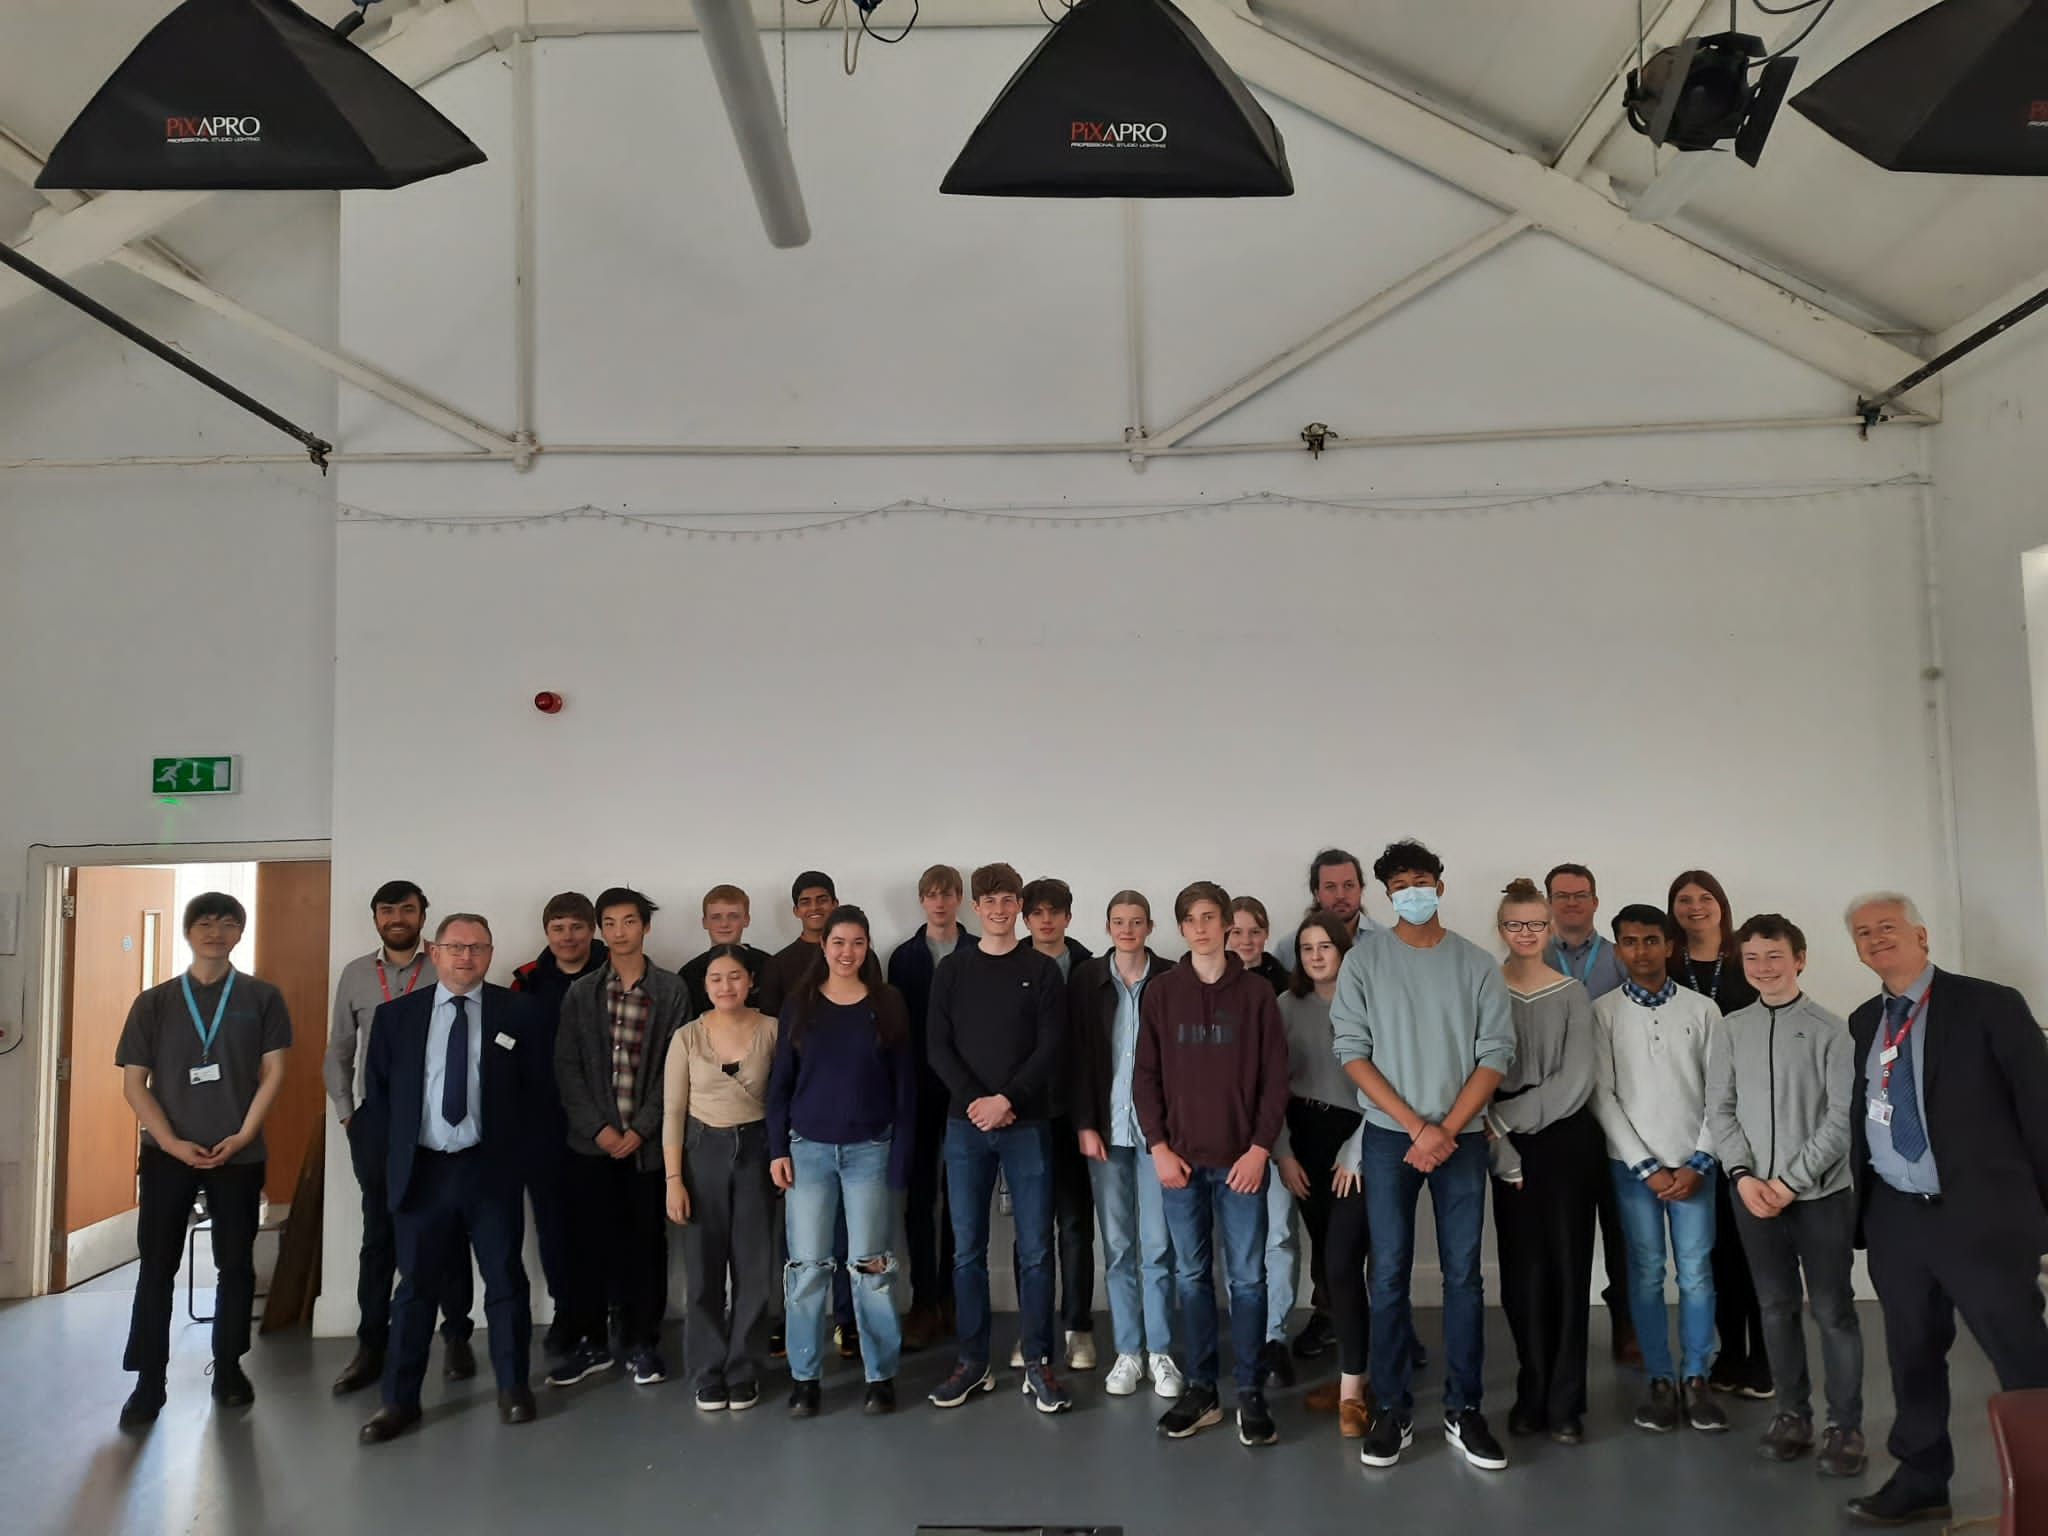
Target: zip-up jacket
x=1779 y=1096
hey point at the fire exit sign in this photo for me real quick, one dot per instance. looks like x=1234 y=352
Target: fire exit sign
x=193 y=776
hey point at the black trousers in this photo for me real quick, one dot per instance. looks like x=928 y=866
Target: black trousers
x=544 y=1180
x=728 y=1248
x=234 y=1193
x=926 y=1223
x=618 y=1249
x=1317 y=1131
x=451 y=1207
x=1738 y=1315
x=1073 y=1229
x=1927 y=1267
x=1544 y=1236
x=377 y=1264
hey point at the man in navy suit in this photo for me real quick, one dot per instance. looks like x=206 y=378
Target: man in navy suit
x=455 y=1082
x=1949 y=1150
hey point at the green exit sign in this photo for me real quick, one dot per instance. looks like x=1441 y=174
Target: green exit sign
x=193 y=776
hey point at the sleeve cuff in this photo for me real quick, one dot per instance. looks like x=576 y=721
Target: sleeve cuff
x=1740 y=1172
x=1701 y=1163
x=1645 y=1168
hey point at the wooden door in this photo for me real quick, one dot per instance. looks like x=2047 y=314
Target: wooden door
x=291 y=954
x=118 y=941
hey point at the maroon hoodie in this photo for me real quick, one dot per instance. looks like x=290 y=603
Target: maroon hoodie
x=1211 y=1077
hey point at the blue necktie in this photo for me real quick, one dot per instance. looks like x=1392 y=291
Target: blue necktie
x=1909 y=1132
x=455 y=1079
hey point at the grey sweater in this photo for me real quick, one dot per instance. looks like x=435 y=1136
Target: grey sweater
x=1650 y=1077
x=1553 y=1073
x=1312 y=1070
x=1779 y=1096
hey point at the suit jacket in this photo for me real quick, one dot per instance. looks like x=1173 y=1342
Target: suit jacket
x=516 y=1084
x=1984 y=1099
x=583 y=1061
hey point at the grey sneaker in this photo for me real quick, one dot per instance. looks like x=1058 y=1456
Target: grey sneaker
x=1658 y=1411
x=1701 y=1411
x=1841 y=1453
x=1789 y=1438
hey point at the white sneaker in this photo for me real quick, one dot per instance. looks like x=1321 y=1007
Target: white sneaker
x=1017 y=1355
x=1167 y=1381
x=1125 y=1375
x=1080 y=1351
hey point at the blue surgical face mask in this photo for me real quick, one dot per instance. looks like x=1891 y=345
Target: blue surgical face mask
x=1415 y=903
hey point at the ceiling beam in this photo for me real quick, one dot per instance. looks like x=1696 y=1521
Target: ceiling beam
x=1560 y=204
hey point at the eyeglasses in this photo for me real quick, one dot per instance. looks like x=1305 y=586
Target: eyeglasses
x=459 y=950
x=1525 y=925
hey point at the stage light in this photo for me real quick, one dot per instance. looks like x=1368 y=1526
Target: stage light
x=1698 y=94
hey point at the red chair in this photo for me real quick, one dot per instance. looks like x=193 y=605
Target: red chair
x=2019 y=1429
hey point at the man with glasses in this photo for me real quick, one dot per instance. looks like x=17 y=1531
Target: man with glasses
x=1579 y=950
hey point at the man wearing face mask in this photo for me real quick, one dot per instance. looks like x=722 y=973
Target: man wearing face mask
x=1422 y=1027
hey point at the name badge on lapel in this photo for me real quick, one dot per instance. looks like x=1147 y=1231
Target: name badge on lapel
x=506 y=1040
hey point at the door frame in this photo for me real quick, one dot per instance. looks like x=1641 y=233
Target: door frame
x=46 y=973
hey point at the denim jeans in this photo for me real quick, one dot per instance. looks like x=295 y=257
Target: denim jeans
x=1457 y=1194
x=831 y=1177
x=1193 y=1213
x=1023 y=1151
x=1643 y=1218
x=1137 y=1255
x=1282 y=1257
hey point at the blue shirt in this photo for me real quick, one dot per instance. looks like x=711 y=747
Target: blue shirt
x=1592 y=963
x=1920 y=1176
x=437 y=1134
x=1123 y=1057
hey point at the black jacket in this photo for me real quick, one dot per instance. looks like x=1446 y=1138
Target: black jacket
x=1985 y=1103
x=541 y=980
x=1091 y=1024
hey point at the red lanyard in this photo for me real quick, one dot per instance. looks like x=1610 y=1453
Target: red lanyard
x=1891 y=1042
x=384 y=985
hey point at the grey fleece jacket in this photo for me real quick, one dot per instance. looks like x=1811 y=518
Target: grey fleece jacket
x=1778 y=1096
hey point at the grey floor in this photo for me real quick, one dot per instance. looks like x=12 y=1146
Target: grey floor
x=607 y=1455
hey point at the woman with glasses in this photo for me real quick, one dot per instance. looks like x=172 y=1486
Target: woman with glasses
x=842 y=1108
x=714 y=1147
x=1543 y=1223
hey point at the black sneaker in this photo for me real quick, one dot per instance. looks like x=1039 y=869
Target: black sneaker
x=881 y=1398
x=1701 y=1411
x=586 y=1359
x=143 y=1405
x=1387 y=1435
x=1192 y=1412
x=1254 y=1422
x=1317 y=1336
x=647 y=1367
x=231 y=1389
x=1467 y=1430
x=1275 y=1365
x=803 y=1399
x=558 y=1340
x=1658 y=1411
x=1728 y=1374
x=713 y=1398
x=742 y=1395
x=967 y=1379
x=1044 y=1389
x=1757 y=1382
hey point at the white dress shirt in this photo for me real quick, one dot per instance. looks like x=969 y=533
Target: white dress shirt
x=437 y=1134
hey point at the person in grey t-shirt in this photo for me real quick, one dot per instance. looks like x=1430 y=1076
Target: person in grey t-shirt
x=202 y=1059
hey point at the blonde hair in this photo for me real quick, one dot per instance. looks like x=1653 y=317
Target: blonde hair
x=1520 y=892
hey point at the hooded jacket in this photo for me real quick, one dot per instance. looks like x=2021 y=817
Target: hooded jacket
x=1211 y=1078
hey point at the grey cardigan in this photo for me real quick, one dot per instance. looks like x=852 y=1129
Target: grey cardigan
x=1778 y=1096
x=583 y=1061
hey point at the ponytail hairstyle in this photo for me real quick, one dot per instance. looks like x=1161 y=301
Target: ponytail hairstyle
x=892 y=1021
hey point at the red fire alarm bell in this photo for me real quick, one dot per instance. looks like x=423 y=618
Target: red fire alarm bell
x=548 y=703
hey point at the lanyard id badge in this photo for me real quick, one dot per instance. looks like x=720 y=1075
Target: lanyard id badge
x=208 y=1070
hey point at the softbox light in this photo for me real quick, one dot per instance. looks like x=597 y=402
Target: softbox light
x=253 y=94
x=1123 y=98
x=1957 y=88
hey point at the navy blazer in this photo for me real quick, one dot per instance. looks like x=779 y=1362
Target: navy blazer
x=516 y=1079
x=1985 y=1104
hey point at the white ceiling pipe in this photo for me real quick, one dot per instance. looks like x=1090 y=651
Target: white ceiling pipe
x=741 y=67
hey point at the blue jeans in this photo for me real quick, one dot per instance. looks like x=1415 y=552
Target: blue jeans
x=1692 y=1246
x=832 y=1177
x=1193 y=1213
x=1137 y=1255
x=1457 y=1194
x=1282 y=1257
x=1023 y=1151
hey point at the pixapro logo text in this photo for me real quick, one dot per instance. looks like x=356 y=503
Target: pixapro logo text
x=1117 y=136
x=212 y=130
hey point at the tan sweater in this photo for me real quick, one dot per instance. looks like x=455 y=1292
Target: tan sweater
x=695 y=1082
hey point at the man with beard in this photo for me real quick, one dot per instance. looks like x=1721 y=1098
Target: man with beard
x=394 y=969
x=1336 y=885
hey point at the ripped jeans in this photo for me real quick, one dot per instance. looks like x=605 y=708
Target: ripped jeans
x=829 y=1176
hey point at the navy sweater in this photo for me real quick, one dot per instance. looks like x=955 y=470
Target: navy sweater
x=841 y=1085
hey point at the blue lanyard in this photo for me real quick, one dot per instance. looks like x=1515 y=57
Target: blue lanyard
x=1592 y=959
x=207 y=1031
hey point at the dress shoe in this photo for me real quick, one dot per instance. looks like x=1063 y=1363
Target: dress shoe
x=1321 y=1399
x=387 y=1423
x=458 y=1360
x=803 y=1399
x=365 y=1369
x=1626 y=1350
x=231 y=1389
x=1522 y=1423
x=1569 y=1431
x=1897 y=1504
x=515 y=1406
x=143 y=1405
x=921 y=1327
x=1354 y=1415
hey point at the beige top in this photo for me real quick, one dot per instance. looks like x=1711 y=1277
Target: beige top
x=695 y=1082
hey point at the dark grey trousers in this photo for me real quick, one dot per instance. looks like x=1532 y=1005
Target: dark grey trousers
x=1819 y=1237
x=728 y=1248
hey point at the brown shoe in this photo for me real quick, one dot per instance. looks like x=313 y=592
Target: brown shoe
x=1352 y=1417
x=920 y=1327
x=1322 y=1399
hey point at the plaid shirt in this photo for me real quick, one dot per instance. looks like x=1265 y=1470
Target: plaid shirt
x=629 y=1008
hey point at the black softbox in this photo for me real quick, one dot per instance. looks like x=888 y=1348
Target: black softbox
x=253 y=94
x=1958 y=88
x=1123 y=98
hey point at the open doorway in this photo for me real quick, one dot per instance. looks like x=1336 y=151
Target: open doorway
x=118 y=931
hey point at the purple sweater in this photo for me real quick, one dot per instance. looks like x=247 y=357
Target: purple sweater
x=840 y=1084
